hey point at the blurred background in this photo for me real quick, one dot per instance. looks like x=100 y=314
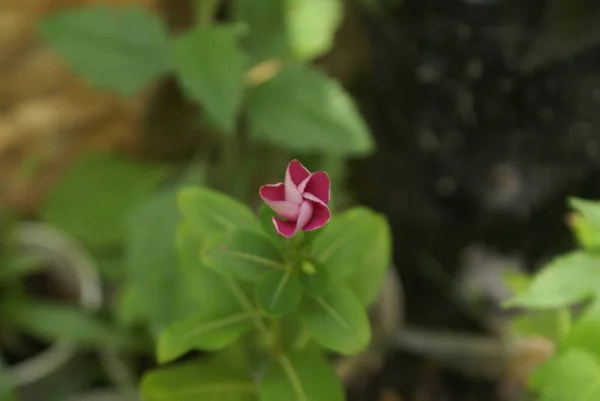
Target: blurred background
x=468 y=123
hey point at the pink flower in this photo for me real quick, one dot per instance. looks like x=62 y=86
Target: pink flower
x=302 y=200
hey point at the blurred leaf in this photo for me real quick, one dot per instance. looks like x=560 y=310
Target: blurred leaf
x=13 y=268
x=243 y=254
x=356 y=248
x=587 y=224
x=337 y=321
x=573 y=375
x=303 y=110
x=585 y=332
x=546 y=323
x=567 y=28
x=279 y=292
x=268 y=32
x=567 y=279
x=300 y=377
x=114 y=48
x=312 y=26
x=6 y=393
x=210 y=330
x=53 y=322
x=211 y=67
x=205 y=285
x=92 y=199
x=198 y=380
x=314 y=278
x=151 y=258
x=210 y=212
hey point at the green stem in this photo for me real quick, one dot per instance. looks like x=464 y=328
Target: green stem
x=206 y=10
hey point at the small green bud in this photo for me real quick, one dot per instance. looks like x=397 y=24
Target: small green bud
x=308 y=268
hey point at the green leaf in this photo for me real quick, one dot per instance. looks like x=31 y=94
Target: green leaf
x=312 y=26
x=13 y=268
x=573 y=375
x=151 y=259
x=567 y=279
x=198 y=380
x=210 y=66
x=586 y=225
x=205 y=285
x=337 y=321
x=268 y=32
x=585 y=332
x=303 y=110
x=115 y=48
x=210 y=330
x=356 y=248
x=243 y=254
x=305 y=376
x=279 y=292
x=546 y=323
x=54 y=322
x=92 y=199
x=314 y=278
x=210 y=212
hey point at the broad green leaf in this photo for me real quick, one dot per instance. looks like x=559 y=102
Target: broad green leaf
x=92 y=199
x=205 y=285
x=211 y=66
x=54 y=322
x=546 y=323
x=279 y=292
x=312 y=26
x=586 y=225
x=356 y=248
x=151 y=260
x=303 y=110
x=209 y=212
x=196 y=381
x=305 y=376
x=314 y=278
x=243 y=254
x=210 y=330
x=267 y=37
x=337 y=321
x=567 y=279
x=114 y=48
x=584 y=334
x=573 y=375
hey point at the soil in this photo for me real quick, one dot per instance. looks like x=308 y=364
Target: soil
x=471 y=149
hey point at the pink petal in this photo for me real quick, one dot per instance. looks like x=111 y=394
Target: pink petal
x=273 y=196
x=306 y=211
x=317 y=184
x=285 y=228
x=272 y=193
x=319 y=218
x=295 y=174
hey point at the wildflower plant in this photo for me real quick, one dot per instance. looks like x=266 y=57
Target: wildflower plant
x=277 y=293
